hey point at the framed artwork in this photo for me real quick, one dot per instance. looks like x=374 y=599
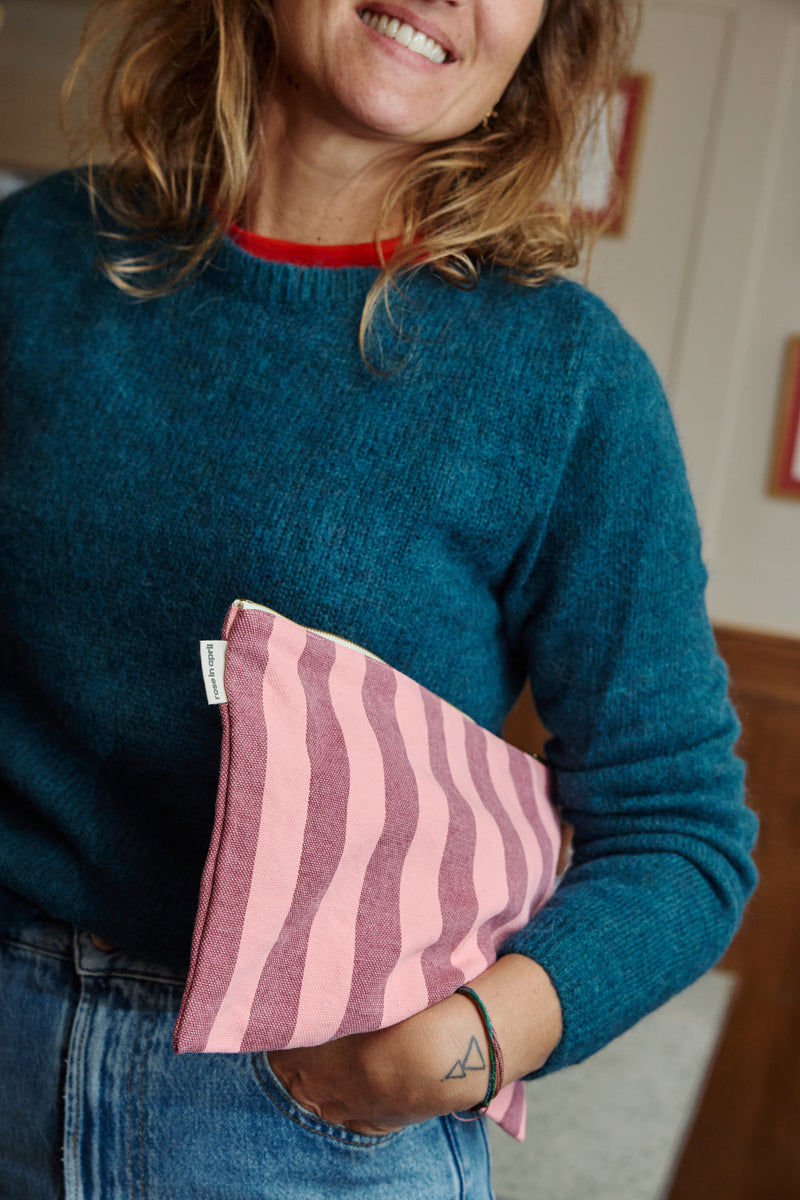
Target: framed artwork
x=785 y=474
x=608 y=164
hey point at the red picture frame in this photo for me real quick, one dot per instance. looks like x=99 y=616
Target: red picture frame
x=610 y=158
x=785 y=472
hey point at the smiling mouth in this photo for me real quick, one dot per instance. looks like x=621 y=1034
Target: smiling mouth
x=405 y=34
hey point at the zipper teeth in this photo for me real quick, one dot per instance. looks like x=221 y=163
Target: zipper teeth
x=331 y=637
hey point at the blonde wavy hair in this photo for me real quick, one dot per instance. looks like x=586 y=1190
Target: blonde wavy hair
x=177 y=104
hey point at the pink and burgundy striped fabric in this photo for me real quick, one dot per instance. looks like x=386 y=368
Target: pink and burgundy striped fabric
x=371 y=849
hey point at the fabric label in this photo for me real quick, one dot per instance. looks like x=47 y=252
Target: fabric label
x=212 y=657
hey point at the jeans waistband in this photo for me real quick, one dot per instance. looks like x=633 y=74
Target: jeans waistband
x=24 y=926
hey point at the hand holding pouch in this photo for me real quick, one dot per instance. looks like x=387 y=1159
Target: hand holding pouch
x=372 y=847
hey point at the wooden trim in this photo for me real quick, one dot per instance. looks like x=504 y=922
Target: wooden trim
x=743 y=1144
x=761 y=664
x=523 y=728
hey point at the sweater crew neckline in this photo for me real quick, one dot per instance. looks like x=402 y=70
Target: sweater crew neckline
x=301 y=254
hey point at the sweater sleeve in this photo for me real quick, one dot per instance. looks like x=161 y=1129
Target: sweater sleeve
x=626 y=677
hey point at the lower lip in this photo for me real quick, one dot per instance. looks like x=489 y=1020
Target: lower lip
x=401 y=52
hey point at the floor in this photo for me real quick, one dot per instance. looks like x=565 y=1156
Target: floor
x=610 y=1128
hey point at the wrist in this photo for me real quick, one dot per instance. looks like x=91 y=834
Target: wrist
x=438 y=1059
x=525 y=1012
x=495 y=1053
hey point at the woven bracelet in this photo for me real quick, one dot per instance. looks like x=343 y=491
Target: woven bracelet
x=496 y=1068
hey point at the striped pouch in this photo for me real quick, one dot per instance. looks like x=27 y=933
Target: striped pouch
x=371 y=849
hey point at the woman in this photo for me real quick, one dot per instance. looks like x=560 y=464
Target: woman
x=212 y=389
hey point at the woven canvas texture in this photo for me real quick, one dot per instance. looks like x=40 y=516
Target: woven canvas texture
x=372 y=847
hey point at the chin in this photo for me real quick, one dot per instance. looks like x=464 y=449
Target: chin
x=387 y=116
x=410 y=129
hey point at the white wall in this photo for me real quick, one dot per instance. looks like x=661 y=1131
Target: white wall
x=707 y=275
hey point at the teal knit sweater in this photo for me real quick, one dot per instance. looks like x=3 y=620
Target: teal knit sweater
x=506 y=498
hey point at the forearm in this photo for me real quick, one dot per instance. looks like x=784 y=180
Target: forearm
x=414 y=1070
x=525 y=1011
x=526 y=1016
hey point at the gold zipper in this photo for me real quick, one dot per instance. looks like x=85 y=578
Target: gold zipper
x=332 y=637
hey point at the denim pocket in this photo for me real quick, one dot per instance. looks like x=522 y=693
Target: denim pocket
x=283 y=1100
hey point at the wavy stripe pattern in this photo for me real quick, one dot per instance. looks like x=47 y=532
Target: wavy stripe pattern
x=331 y=951
x=379 y=910
x=418 y=901
x=371 y=850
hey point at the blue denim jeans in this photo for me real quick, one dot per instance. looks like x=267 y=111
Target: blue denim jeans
x=94 y=1105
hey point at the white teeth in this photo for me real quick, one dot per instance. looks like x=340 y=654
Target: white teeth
x=405 y=34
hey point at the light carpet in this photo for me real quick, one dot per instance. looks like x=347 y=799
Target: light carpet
x=612 y=1127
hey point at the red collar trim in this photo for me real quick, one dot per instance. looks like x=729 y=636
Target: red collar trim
x=301 y=254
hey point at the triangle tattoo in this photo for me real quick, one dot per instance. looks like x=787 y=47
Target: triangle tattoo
x=473 y=1060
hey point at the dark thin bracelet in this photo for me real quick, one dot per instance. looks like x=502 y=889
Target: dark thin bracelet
x=496 y=1068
